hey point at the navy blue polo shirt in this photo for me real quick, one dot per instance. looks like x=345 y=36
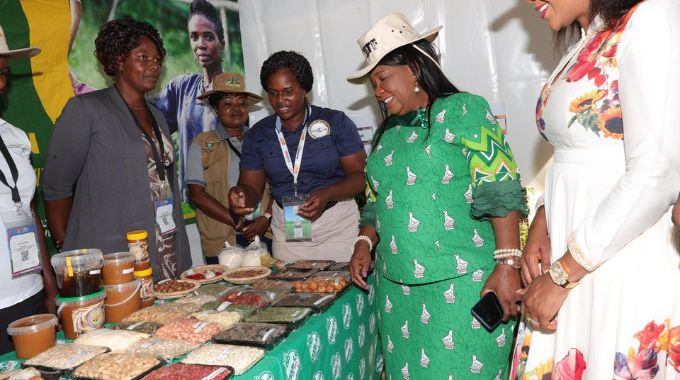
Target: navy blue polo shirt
x=320 y=165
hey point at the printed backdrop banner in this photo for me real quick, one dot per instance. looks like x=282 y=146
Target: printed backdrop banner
x=65 y=30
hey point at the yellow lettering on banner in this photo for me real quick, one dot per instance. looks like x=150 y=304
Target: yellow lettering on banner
x=34 y=143
x=38 y=172
x=49 y=23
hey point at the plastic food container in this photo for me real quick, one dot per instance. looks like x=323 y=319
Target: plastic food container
x=115 y=340
x=121 y=300
x=198 y=300
x=160 y=314
x=292 y=274
x=118 y=268
x=253 y=334
x=311 y=264
x=288 y=315
x=81 y=314
x=322 y=285
x=190 y=371
x=146 y=293
x=189 y=330
x=138 y=244
x=64 y=357
x=142 y=327
x=117 y=366
x=79 y=272
x=241 y=358
x=257 y=298
x=164 y=349
x=224 y=319
x=268 y=284
x=33 y=335
x=215 y=289
x=244 y=310
x=316 y=301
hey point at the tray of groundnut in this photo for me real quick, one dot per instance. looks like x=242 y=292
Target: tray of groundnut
x=117 y=366
x=240 y=358
x=62 y=359
x=169 y=289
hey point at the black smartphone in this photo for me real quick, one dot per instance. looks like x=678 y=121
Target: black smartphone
x=488 y=311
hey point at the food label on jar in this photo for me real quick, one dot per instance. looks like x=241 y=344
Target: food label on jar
x=96 y=271
x=140 y=250
x=128 y=270
x=223 y=306
x=146 y=290
x=88 y=318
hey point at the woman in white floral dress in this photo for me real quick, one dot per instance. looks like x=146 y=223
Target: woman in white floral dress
x=609 y=306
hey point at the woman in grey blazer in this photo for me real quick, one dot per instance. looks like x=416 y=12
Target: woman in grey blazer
x=106 y=172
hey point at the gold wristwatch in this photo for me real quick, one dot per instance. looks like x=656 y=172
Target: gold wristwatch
x=560 y=276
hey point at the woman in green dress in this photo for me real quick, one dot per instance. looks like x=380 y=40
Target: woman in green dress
x=444 y=202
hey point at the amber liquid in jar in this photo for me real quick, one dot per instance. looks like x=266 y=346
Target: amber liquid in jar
x=81 y=283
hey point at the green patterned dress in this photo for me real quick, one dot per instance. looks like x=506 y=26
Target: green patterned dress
x=431 y=192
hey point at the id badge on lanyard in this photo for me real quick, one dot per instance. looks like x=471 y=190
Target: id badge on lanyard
x=22 y=242
x=164 y=207
x=296 y=227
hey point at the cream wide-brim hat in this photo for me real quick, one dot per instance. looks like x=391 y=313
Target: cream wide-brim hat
x=389 y=33
x=16 y=53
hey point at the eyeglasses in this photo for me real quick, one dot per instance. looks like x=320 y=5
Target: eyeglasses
x=146 y=60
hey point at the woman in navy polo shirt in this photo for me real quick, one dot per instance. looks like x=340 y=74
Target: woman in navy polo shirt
x=322 y=147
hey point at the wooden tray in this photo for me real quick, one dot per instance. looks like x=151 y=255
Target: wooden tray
x=229 y=275
x=203 y=268
x=182 y=293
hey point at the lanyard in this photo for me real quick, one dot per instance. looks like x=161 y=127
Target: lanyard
x=294 y=170
x=233 y=149
x=158 y=158
x=160 y=167
x=16 y=198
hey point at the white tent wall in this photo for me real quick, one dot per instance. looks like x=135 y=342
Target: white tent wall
x=499 y=49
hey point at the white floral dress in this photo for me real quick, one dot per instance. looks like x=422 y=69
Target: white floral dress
x=611 y=116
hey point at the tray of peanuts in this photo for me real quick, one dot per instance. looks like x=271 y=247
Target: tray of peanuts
x=117 y=366
x=169 y=289
x=330 y=284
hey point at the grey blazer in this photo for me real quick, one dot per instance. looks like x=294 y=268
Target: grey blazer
x=97 y=156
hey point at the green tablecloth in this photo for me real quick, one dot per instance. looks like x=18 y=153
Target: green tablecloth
x=341 y=343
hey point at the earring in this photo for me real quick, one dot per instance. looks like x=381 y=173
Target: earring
x=416 y=88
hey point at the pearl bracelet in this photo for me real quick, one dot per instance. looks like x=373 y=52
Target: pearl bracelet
x=505 y=253
x=366 y=239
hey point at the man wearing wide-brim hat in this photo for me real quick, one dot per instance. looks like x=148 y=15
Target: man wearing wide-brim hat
x=213 y=167
x=24 y=291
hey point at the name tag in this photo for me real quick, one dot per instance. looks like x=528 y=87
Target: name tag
x=296 y=227
x=164 y=219
x=22 y=242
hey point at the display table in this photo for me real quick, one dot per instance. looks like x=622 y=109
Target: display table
x=340 y=343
